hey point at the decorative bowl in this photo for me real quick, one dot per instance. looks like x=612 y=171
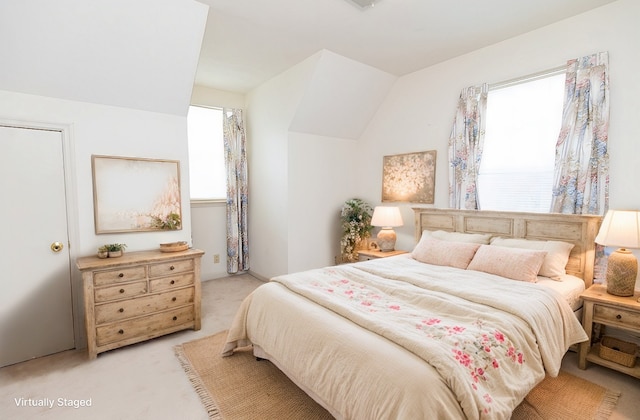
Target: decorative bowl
x=174 y=246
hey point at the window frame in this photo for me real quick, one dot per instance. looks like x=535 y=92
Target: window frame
x=557 y=71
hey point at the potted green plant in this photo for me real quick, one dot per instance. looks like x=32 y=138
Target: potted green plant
x=115 y=250
x=356 y=227
x=103 y=252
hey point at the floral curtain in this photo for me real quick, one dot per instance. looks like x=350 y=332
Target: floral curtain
x=465 y=147
x=235 y=155
x=581 y=180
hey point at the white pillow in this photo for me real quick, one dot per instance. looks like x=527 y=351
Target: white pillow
x=513 y=263
x=452 y=254
x=554 y=263
x=476 y=238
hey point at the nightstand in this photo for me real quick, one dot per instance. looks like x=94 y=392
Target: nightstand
x=603 y=308
x=372 y=255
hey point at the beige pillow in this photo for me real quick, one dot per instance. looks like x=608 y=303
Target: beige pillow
x=513 y=263
x=448 y=253
x=554 y=263
x=476 y=238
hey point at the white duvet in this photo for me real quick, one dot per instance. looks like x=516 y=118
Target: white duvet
x=421 y=341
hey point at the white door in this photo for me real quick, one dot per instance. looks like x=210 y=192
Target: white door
x=36 y=316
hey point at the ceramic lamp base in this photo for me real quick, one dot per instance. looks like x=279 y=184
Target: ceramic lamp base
x=386 y=239
x=622 y=270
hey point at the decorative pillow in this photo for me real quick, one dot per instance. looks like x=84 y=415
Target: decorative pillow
x=554 y=263
x=513 y=263
x=476 y=238
x=452 y=254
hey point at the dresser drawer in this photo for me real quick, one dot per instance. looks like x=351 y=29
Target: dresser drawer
x=102 y=278
x=117 y=311
x=172 y=267
x=120 y=291
x=144 y=327
x=616 y=316
x=164 y=283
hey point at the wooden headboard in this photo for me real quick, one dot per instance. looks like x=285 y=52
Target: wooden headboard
x=579 y=230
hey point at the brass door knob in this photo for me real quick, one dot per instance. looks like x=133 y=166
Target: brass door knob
x=57 y=246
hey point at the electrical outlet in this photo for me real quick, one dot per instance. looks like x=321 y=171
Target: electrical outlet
x=216 y=259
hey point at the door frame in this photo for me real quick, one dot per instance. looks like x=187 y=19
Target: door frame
x=71 y=200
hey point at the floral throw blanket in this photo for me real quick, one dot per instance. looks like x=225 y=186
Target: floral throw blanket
x=489 y=338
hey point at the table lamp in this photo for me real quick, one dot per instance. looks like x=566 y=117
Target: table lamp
x=622 y=229
x=387 y=218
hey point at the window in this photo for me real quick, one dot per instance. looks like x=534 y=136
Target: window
x=523 y=121
x=207 y=175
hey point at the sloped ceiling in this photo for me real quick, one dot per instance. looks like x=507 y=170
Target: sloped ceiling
x=138 y=54
x=250 y=41
x=341 y=97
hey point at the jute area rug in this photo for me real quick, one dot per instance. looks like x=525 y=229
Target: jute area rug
x=239 y=387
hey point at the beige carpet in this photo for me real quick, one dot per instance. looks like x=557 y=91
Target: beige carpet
x=234 y=388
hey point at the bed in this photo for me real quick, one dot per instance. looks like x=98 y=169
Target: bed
x=462 y=327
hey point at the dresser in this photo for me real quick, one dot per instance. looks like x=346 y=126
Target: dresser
x=139 y=296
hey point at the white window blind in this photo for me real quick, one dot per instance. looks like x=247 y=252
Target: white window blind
x=523 y=121
x=207 y=175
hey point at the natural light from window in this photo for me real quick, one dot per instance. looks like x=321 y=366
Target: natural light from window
x=522 y=126
x=207 y=177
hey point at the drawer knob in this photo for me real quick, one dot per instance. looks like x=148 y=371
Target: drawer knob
x=172 y=282
x=618 y=316
x=121 y=310
x=175 y=318
x=173 y=299
x=172 y=268
x=121 y=275
x=121 y=290
x=120 y=331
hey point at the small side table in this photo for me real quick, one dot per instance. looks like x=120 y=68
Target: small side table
x=603 y=308
x=372 y=255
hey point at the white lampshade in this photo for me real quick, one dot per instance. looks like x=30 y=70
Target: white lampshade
x=386 y=217
x=620 y=228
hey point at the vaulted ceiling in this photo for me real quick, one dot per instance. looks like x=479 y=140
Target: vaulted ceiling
x=249 y=41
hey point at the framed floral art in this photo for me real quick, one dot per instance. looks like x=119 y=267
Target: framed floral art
x=409 y=177
x=135 y=194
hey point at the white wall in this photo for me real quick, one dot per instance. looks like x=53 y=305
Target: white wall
x=271 y=108
x=320 y=180
x=108 y=130
x=301 y=130
x=418 y=113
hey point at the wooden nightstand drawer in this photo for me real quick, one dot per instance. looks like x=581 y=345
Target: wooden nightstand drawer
x=166 y=269
x=616 y=316
x=117 y=311
x=148 y=326
x=103 y=278
x=120 y=291
x=172 y=282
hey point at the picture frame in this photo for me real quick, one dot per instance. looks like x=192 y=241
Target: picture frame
x=409 y=177
x=132 y=194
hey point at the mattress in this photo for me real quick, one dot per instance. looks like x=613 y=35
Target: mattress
x=570 y=288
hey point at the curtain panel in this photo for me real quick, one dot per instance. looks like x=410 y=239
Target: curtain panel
x=581 y=179
x=465 y=147
x=235 y=155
